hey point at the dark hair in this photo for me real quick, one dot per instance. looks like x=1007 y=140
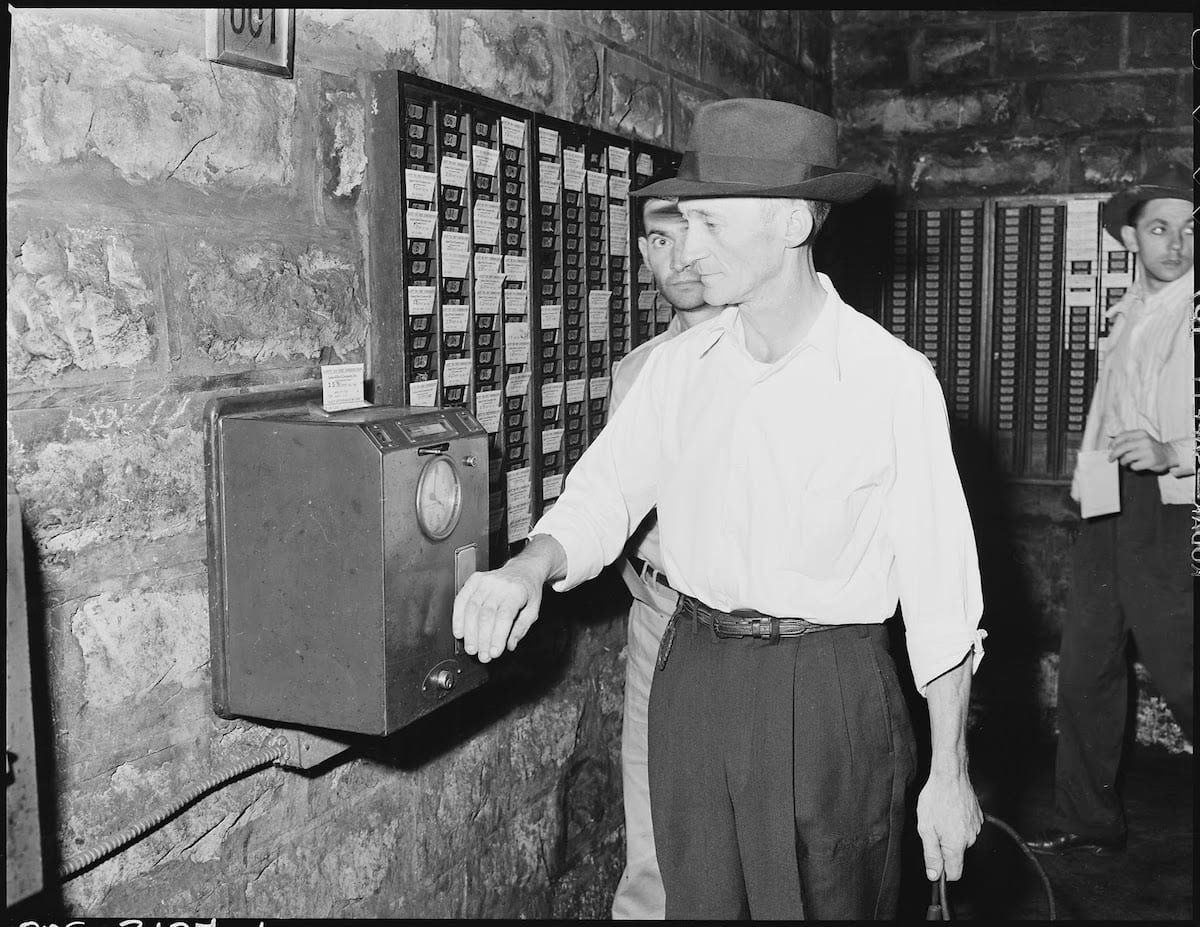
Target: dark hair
x=820 y=212
x=1135 y=212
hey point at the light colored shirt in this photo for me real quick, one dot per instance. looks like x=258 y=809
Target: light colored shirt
x=643 y=543
x=1146 y=380
x=821 y=486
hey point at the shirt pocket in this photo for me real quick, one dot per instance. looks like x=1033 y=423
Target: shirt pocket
x=828 y=531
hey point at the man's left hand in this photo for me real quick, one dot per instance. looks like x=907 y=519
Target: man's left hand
x=1138 y=451
x=948 y=819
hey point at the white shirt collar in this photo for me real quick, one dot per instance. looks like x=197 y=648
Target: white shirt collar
x=823 y=337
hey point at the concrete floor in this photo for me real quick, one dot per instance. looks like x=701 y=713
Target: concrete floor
x=1152 y=880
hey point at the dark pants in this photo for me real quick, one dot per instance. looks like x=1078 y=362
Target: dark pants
x=778 y=775
x=1132 y=573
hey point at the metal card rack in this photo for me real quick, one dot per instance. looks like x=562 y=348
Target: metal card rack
x=1007 y=296
x=504 y=277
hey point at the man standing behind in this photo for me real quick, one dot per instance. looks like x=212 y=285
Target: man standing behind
x=799 y=456
x=1131 y=567
x=639 y=894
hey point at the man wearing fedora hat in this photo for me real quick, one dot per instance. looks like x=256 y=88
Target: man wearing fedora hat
x=799 y=456
x=1131 y=573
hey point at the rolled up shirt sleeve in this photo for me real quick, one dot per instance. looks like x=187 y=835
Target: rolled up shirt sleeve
x=930 y=530
x=611 y=487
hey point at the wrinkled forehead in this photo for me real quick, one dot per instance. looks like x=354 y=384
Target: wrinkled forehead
x=661 y=214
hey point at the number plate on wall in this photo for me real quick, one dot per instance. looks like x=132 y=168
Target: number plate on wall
x=257 y=39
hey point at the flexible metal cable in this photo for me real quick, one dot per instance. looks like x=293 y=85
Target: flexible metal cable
x=76 y=864
x=939 y=907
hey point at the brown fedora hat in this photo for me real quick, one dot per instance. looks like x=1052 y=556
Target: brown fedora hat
x=753 y=147
x=1168 y=181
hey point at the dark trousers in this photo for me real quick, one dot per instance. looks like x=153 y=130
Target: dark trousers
x=778 y=775
x=1132 y=574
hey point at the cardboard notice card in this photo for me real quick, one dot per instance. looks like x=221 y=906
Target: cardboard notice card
x=573 y=171
x=342 y=387
x=1099 y=484
x=518 y=486
x=419 y=185
x=487 y=410
x=486 y=159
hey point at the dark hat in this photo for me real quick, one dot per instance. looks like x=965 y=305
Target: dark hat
x=1164 y=182
x=752 y=147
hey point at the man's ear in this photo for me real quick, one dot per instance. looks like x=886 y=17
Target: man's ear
x=799 y=225
x=643 y=246
x=1129 y=237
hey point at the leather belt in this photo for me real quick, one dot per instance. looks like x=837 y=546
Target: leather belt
x=742 y=622
x=656 y=575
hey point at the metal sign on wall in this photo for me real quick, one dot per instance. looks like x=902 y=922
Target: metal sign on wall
x=504 y=276
x=256 y=39
x=1006 y=297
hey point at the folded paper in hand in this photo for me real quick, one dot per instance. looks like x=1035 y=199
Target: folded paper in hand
x=1099 y=484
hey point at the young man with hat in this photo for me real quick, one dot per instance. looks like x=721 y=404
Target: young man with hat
x=639 y=894
x=1131 y=570
x=800 y=459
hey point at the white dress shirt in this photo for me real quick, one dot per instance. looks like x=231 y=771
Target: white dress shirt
x=1146 y=381
x=821 y=486
x=643 y=543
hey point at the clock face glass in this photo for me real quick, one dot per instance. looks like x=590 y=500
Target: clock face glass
x=439 y=498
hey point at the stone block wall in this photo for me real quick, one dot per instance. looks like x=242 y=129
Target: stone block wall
x=943 y=103
x=1001 y=103
x=178 y=229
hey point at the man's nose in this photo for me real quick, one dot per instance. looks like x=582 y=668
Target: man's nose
x=686 y=251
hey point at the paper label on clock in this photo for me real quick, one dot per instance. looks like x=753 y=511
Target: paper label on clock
x=423 y=393
x=597 y=183
x=551 y=317
x=487 y=410
x=486 y=159
x=575 y=390
x=618 y=188
x=419 y=223
x=420 y=300
x=547 y=141
x=599 y=387
x=645 y=165
x=551 y=440
x=646 y=299
x=419 y=185
x=342 y=387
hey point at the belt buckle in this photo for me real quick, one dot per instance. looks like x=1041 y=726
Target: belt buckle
x=744 y=614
